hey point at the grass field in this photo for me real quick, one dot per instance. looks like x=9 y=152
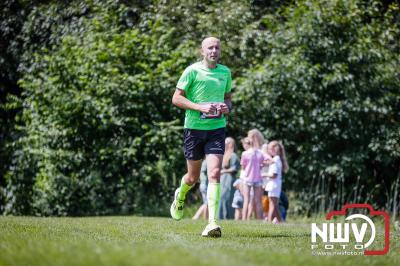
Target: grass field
x=131 y=240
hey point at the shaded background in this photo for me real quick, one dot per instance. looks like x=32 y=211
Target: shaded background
x=87 y=126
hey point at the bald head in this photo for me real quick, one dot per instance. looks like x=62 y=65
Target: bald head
x=210 y=50
x=209 y=40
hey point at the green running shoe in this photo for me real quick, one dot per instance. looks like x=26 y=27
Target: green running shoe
x=177 y=207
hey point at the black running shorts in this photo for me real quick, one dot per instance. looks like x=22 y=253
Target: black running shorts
x=197 y=143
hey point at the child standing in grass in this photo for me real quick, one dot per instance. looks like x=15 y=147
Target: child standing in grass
x=237 y=202
x=251 y=161
x=274 y=179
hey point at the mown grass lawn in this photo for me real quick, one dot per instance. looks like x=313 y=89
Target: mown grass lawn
x=133 y=240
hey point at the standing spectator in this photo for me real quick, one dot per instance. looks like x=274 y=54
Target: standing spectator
x=230 y=166
x=237 y=202
x=252 y=161
x=258 y=141
x=274 y=179
x=252 y=205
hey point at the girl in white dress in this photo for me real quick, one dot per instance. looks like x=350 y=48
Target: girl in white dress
x=273 y=185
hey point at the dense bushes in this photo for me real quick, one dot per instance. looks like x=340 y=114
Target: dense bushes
x=94 y=123
x=330 y=89
x=98 y=134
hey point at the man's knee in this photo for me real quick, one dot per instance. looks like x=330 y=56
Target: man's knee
x=190 y=179
x=215 y=174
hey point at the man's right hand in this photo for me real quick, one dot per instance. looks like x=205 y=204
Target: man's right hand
x=208 y=108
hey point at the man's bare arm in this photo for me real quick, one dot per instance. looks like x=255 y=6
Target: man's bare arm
x=225 y=109
x=181 y=101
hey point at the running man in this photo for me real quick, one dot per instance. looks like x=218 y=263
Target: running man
x=203 y=91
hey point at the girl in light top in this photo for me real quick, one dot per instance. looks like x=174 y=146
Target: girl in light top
x=251 y=162
x=251 y=206
x=274 y=178
x=257 y=138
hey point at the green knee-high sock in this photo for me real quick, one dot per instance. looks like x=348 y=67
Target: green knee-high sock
x=213 y=195
x=184 y=188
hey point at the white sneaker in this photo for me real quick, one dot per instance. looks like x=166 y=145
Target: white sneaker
x=212 y=230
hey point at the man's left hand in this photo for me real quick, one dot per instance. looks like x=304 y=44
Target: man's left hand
x=224 y=108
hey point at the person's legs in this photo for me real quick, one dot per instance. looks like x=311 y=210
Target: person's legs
x=193 y=144
x=273 y=205
x=226 y=210
x=214 y=188
x=270 y=209
x=214 y=150
x=205 y=212
x=194 y=141
x=187 y=182
x=237 y=205
x=258 y=191
x=201 y=212
x=275 y=194
x=224 y=199
x=190 y=178
x=238 y=214
x=252 y=203
x=246 y=200
x=231 y=193
x=213 y=194
x=277 y=211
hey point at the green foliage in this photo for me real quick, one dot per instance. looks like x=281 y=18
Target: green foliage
x=11 y=20
x=93 y=124
x=330 y=90
x=98 y=134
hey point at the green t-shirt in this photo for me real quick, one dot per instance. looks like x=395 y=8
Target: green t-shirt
x=205 y=85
